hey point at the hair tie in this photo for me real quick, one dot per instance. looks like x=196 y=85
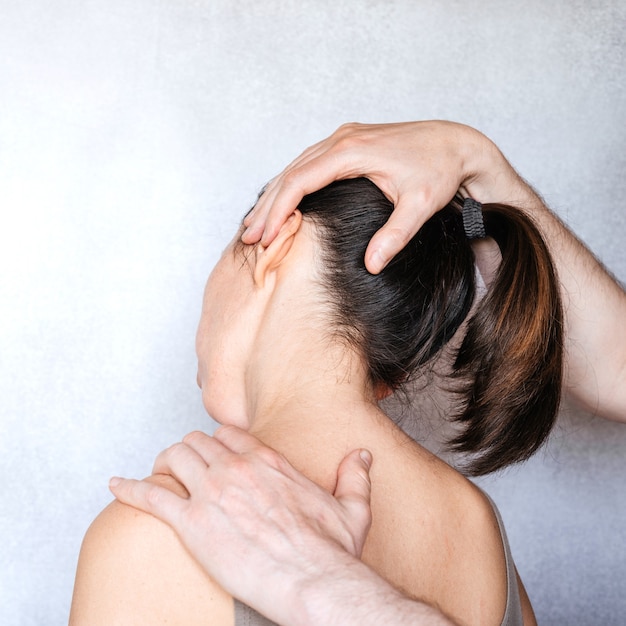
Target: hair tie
x=473 y=219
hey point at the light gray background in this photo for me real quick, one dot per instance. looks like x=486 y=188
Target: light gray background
x=135 y=133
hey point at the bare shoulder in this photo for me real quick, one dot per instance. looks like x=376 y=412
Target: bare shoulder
x=133 y=569
x=436 y=536
x=476 y=554
x=486 y=522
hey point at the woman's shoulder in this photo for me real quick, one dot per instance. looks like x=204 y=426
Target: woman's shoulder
x=444 y=531
x=133 y=569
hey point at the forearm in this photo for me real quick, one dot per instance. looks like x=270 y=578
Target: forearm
x=594 y=303
x=345 y=592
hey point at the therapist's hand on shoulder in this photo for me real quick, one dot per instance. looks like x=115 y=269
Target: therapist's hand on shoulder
x=250 y=514
x=419 y=166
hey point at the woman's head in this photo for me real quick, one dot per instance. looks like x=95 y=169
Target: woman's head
x=251 y=292
x=508 y=368
x=399 y=319
x=509 y=364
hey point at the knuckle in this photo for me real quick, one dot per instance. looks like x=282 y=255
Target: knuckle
x=426 y=200
x=347 y=128
x=176 y=450
x=291 y=179
x=424 y=193
x=193 y=436
x=196 y=518
x=349 y=142
x=224 y=429
x=341 y=130
x=153 y=497
x=399 y=236
x=224 y=433
x=271 y=457
x=239 y=465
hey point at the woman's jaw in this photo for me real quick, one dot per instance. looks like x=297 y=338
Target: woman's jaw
x=266 y=353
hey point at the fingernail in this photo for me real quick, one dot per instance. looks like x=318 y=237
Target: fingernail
x=366 y=457
x=115 y=481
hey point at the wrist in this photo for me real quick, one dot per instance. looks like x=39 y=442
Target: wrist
x=489 y=177
x=346 y=592
x=326 y=591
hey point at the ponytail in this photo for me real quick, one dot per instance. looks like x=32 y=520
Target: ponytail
x=508 y=368
x=510 y=361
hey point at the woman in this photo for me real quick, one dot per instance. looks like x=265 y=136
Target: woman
x=298 y=342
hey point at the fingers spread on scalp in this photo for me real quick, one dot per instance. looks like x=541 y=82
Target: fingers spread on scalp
x=318 y=166
x=255 y=221
x=284 y=200
x=402 y=224
x=384 y=245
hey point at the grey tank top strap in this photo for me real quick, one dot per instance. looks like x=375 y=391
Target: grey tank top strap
x=513 y=613
x=245 y=616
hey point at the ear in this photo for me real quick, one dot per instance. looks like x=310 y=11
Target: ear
x=270 y=257
x=382 y=391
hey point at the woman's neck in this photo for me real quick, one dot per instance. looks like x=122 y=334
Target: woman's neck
x=307 y=391
x=313 y=404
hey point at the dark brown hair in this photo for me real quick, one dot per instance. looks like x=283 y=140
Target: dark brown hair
x=508 y=368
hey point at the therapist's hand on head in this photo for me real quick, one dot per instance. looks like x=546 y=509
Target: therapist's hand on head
x=251 y=516
x=419 y=166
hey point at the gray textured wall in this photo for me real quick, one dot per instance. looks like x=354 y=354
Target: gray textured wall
x=133 y=134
